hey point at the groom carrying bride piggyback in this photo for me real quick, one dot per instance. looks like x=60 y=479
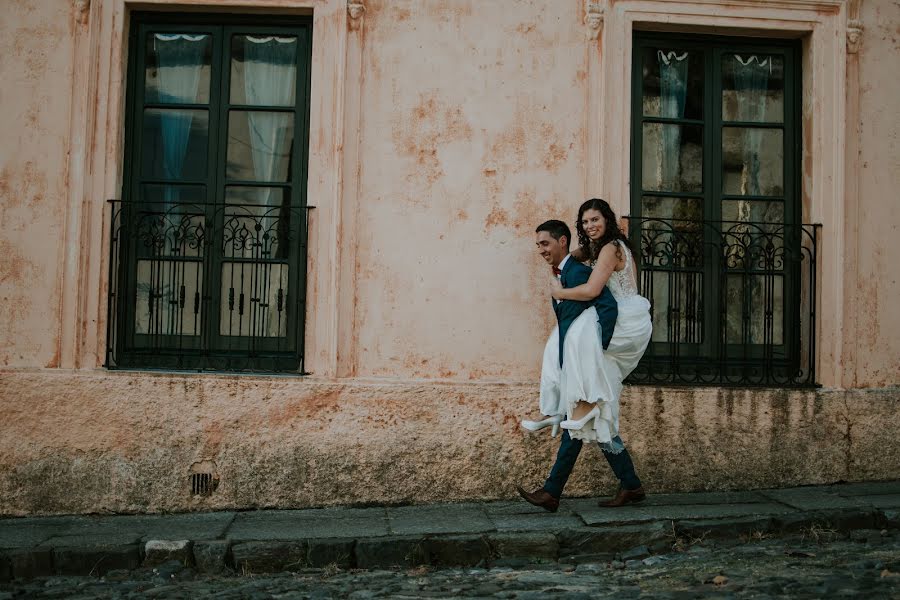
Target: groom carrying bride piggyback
x=580 y=377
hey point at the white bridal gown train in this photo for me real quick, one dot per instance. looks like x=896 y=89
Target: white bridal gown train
x=591 y=374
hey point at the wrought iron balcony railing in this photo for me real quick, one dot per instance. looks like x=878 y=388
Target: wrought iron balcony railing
x=207 y=286
x=733 y=302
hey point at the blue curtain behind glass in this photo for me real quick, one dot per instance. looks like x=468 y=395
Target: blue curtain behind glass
x=180 y=61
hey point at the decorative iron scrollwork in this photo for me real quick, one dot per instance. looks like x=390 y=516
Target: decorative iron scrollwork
x=732 y=302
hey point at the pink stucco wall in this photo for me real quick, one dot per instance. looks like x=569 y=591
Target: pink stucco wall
x=877 y=206
x=441 y=134
x=463 y=155
x=36 y=42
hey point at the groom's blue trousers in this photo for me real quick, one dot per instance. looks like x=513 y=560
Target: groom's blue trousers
x=568 y=452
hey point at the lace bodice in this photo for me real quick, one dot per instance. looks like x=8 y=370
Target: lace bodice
x=623 y=284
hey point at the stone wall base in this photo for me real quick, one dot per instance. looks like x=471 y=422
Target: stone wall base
x=88 y=442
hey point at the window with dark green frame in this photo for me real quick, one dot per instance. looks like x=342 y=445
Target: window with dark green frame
x=208 y=253
x=725 y=260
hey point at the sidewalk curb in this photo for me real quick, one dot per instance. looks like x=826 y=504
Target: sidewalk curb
x=570 y=545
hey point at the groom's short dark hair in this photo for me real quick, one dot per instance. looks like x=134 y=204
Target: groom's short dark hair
x=556 y=229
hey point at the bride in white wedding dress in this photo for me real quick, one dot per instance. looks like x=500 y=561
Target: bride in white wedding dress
x=590 y=387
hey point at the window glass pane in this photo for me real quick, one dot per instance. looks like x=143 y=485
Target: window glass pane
x=753 y=87
x=168 y=299
x=258 y=195
x=263 y=70
x=657 y=207
x=175 y=144
x=672 y=158
x=754 y=211
x=754 y=309
x=177 y=68
x=677 y=300
x=673 y=83
x=752 y=161
x=259 y=145
x=254 y=299
x=157 y=196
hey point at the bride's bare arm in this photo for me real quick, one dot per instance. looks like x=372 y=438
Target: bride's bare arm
x=578 y=254
x=606 y=263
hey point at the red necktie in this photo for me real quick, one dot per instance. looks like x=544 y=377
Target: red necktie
x=556 y=271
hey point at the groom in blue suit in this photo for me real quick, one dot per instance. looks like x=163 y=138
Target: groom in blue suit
x=552 y=239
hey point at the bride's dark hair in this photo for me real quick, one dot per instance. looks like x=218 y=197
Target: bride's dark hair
x=591 y=249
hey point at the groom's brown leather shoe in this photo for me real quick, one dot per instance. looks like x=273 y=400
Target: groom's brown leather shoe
x=624 y=497
x=540 y=497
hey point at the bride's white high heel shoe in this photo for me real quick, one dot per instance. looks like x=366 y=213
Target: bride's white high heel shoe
x=553 y=421
x=579 y=423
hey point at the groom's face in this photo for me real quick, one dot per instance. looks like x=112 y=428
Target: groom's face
x=551 y=250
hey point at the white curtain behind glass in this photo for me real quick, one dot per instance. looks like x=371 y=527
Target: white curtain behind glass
x=751 y=82
x=269 y=80
x=673 y=70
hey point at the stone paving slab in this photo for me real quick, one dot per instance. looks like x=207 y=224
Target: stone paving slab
x=31 y=531
x=517 y=507
x=591 y=514
x=886 y=501
x=535 y=522
x=813 y=499
x=439 y=519
x=195 y=526
x=209 y=525
x=308 y=524
x=93 y=539
x=23 y=537
x=718 y=511
x=594 y=515
x=865 y=488
x=705 y=498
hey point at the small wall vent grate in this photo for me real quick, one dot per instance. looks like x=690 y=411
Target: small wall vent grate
x=202 y=484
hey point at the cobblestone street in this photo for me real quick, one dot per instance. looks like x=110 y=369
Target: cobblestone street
x=811 y=565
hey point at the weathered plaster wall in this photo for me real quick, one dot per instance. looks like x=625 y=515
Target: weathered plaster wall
x=287 y=442
x=35 y=68
x=472 y=129
x=878 y=206
x=472 y=134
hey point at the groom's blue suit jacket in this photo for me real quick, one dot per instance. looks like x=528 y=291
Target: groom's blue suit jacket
x=574 y=274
